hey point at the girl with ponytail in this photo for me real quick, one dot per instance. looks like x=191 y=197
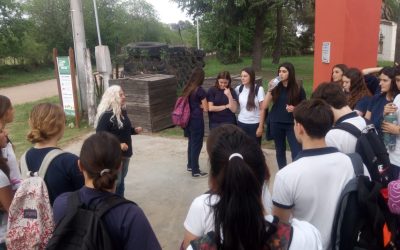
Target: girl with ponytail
x=232 y=215
x=100 y=161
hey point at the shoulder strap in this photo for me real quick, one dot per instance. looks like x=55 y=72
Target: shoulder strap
x=357 y=163
x=23 y=166
x=110 y=202
x=47 y=160
x=257 y=88
x=241 y=88
x=348 y=127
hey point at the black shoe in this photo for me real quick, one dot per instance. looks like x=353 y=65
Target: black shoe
x=189 y=169
x=199 y=175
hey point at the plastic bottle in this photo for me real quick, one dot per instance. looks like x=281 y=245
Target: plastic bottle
x=390 y=139
x=274 y=83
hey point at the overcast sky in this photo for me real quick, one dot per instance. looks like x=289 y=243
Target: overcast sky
x=168 y=11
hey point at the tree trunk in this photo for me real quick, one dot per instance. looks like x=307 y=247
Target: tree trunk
x=276 y=55
x=397 y=50
x=258 y=50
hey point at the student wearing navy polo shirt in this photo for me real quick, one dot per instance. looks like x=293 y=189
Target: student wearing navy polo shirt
x=389 y=90
x=358 y=94
x=222 y=101
x=285 y=96
x=195 y=128
x=126 y=224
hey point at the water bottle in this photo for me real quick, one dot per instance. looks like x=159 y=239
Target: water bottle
x=390 y=139
x=274 y=83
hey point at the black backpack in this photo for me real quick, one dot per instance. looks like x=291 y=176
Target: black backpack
x=83 y=227
x=372 y=151
x=361 y=214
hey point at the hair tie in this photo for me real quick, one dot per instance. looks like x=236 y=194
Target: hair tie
x=106 y=170
x=235 y=155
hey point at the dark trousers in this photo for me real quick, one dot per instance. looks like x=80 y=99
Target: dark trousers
x=195 y=133
x=281 y=131
x=250 y=130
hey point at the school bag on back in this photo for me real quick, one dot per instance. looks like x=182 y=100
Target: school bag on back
x=362 y=214
x=30 y=218
x=82 y=227
x=372 y=151
x=181 y=113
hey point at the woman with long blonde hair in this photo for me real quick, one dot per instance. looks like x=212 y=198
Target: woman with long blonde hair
x=112 y=117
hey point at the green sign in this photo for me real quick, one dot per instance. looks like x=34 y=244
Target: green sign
x=63 y=65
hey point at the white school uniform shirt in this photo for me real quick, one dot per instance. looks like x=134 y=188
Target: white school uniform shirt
x=395 y=155
x=252 y=116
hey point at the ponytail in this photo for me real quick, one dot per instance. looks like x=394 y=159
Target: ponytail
x=105 y=180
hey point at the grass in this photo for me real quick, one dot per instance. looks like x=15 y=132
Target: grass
x=11 y=75
x=19 y=128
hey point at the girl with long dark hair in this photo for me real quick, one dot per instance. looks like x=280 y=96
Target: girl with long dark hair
x=251 y=98
x=358 y=94
x=285 y=96
x=195 y=128
x=232 y=214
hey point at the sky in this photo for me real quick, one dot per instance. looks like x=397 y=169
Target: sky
x=168 y=11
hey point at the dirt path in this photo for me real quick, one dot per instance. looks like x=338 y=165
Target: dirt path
x=31 y=92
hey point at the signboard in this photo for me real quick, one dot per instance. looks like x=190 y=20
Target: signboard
x=326 y=52
x=67 y=93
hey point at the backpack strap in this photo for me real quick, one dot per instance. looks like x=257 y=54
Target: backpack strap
x=110 y=202
x=357 y=163
x=242 y=86
x=45 y=163
x=348 y=127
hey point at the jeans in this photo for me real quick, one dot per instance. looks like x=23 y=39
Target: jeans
x=250 y=130
x=195 y=134
x=121 y=176
x=280 y=132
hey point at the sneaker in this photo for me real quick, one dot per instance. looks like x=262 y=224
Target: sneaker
x=189 y=169
x=200 y=175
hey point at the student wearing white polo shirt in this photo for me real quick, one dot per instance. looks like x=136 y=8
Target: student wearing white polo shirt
x=309 y=188
x=333 y=94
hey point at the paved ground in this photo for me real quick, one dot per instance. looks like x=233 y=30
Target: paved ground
x=31 y=92
x=158 y=181
x=157 y=178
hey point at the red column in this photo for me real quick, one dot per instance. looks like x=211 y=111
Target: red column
x=352 y=28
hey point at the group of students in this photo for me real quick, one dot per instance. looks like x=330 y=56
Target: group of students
x=250 y=100
x=95 y=175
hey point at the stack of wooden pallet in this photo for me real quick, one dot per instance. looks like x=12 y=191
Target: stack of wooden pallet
x=150 y=100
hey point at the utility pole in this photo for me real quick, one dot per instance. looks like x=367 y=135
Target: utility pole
x=78 y=30
x=198 y=33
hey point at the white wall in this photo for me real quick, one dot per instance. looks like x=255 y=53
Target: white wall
x=388 y=30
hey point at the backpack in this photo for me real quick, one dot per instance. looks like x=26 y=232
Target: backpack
x=82 y=226
x=30 y=217
x=362 y=215
x=372 y=151
x=181 y=113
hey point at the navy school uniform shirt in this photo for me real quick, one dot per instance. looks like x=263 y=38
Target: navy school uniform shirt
x=196 y=112
x=376 y=107
x=278 y=111
x=108 y=122
x=127 y=225
x=362 y=104
x=218 y=98
x=63 y=174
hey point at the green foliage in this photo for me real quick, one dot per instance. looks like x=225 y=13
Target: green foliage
x=12 y=75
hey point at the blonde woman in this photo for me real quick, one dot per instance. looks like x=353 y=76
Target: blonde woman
x=112 y=117
x=47 y=123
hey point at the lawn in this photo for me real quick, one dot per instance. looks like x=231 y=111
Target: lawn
x=11 y=75
x=19 y=128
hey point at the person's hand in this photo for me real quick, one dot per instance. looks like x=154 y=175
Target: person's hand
x=124 y=146
x=289 y=108
x=227 y=92
x=138 y=130
x=389 y=108
x=259 y=131
x=390 y=128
